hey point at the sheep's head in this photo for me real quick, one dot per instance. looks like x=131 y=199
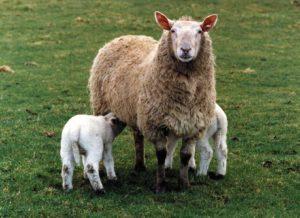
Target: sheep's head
x=185 y=34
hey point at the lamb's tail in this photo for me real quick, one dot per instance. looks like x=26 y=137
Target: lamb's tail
x=76 y=153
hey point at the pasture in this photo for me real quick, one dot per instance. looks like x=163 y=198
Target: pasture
x=50 y=46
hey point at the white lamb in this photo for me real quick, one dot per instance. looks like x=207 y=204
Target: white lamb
x=217 y=131
x=91 y=137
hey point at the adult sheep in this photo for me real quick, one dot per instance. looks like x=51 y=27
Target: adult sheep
x=162 y=89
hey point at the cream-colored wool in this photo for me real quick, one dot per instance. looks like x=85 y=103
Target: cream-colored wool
x=162 y=89
x=143 y=84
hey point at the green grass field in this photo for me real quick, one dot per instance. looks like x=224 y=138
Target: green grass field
x=50 y=46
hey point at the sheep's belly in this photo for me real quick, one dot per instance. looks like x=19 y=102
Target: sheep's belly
x=185 y=124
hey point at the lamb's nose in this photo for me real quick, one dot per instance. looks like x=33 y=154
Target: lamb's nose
x=185 y=50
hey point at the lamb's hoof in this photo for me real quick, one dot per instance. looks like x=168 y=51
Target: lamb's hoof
x=100 y=192
x=139 y=168
x=113 y=182
x=192 y=171
x=184 y=185
x=67 y=188
x=161 y=188
x=215 y=176
x=112 y=178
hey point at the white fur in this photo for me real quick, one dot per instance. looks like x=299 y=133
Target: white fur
x=93 y=137
x=217 y=131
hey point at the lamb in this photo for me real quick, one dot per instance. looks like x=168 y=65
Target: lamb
x=91 y=137
x=161 y=89
x=217 y=131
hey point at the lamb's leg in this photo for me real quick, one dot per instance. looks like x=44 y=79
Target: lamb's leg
x=206 y=154
x=161 y=153
x=221 y=153
x=109 y=162
x=185 y=155
x=192 y=162
x=67 y=172
x=139 y=151
x=83 y=164
x=92 y=168
x=171 y=145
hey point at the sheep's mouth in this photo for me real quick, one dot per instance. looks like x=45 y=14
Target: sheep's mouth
x=185 y=58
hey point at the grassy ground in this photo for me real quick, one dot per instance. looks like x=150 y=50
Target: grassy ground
x=50 y=46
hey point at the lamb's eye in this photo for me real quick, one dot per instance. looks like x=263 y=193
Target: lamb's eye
x=172 y=31
x=199 y=31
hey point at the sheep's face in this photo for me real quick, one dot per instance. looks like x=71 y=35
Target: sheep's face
x=185 y=34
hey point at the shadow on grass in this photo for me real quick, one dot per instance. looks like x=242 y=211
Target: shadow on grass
x=128 y=183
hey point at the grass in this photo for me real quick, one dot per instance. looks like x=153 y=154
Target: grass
x=50 y=47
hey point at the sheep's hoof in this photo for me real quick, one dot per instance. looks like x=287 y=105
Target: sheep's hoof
x=170 y=172
x=161 y=188
x=192 y=171
x=215 y=176
x=184 y=184
x=100 y=192
x=139 y=168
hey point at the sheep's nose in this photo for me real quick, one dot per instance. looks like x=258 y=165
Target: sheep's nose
x=185 y=50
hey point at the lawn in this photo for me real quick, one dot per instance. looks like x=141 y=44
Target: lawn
x=50 y=46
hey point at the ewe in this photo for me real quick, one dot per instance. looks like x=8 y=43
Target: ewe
x=91 y=137
x=217 y=131
x=161 y=89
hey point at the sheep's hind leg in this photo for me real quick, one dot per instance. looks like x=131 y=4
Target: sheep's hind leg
x=161 y=153
x=139 y=151
x=185 y=155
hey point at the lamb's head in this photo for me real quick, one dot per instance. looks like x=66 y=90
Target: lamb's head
x=114 y=122
x=185 y=34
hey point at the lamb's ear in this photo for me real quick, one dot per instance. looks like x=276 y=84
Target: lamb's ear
x=163 y=21
x=113 y=121
x=209 y=22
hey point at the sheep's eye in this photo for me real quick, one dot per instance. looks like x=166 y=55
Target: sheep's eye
x=172 y=31
x=199 y=31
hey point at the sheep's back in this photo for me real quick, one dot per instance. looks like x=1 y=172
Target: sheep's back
x=115 y=76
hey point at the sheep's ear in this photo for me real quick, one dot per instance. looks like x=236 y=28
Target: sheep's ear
x=209 y=22
x=163 y=21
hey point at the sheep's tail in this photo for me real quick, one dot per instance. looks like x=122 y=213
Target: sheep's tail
x=76 y=153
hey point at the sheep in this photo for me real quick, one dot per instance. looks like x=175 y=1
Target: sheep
x=218 y=132
x=161 y=89
x=91 y=137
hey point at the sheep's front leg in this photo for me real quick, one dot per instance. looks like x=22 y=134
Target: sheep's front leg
x=185 y=155
x=139 y=151
x=161 y=153
x=109 y=162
